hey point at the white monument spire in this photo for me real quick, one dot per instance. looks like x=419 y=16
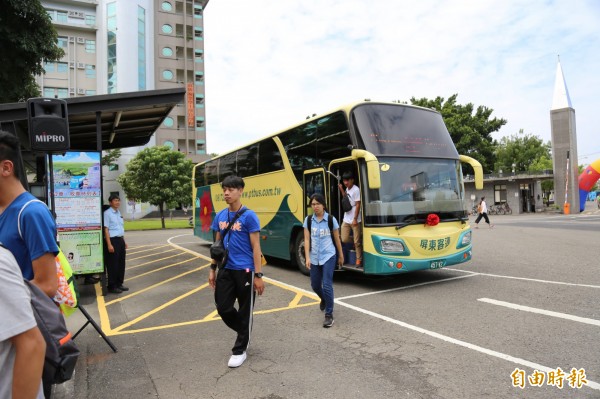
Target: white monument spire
x=561 y=97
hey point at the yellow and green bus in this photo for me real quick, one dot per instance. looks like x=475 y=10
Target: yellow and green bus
x=406 y=166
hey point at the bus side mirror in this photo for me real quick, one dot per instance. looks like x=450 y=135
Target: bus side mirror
x=373 y=176
x=476 y=168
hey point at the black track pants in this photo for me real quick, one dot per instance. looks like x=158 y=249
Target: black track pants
x=232 y=285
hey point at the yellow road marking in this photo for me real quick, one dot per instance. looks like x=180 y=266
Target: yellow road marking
x=153 y=254
x=153 y=261
x=130 y=250
x=122 y=298
x=210 y=317
x=159 y=269
x=105 y=320
x=161 y=307
x=214 y=315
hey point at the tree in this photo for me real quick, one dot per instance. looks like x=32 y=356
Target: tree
x=27 y=39
x=471 y=130
x=110 y=157
x=526 y=151
x=159 y=176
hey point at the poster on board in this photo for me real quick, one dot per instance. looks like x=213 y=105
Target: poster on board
x=78 y=207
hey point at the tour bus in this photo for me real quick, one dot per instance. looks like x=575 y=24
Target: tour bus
x=405 y=164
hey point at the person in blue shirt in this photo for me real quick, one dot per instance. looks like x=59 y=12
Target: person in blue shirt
x=27 y=227
x=114 y=235
x=320 y=254
x=240 y=278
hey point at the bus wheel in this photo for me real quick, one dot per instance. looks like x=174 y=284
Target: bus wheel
x=298 y=255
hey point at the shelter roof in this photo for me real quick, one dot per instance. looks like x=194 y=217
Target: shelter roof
x=121 y=119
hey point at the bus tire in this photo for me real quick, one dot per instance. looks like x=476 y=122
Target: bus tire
x=298 y=255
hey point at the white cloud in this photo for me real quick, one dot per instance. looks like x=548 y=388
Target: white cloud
x=269 y=63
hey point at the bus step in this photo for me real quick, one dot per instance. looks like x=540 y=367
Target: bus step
x=352 y=268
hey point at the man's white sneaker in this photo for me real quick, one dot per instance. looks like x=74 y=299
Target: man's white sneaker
x=237 y=360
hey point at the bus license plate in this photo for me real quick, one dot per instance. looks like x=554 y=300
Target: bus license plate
x=436 y=264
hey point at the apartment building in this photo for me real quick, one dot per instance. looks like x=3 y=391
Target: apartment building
x=116 y=46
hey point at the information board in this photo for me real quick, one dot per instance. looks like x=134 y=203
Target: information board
x=78 y=208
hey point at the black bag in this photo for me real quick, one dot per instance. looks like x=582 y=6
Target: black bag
x=218 y=251
x=346 y=205
x=61 y=351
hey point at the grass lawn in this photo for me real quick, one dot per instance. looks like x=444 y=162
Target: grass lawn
x=155 y=224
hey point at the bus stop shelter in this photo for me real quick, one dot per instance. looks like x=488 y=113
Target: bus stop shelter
x=102 y=122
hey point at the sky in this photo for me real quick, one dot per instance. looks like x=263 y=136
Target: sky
x=270 y=63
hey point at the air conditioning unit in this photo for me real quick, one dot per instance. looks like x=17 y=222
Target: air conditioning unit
x=71 y=39
x=80 y=91
x=72 y=90
x=81 y=65
x=72 y=65
x=81 y=40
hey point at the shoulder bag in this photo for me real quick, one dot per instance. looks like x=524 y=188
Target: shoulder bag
x=218 y=251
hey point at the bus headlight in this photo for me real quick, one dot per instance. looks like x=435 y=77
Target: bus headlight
x=391 y=246
x=466 y=239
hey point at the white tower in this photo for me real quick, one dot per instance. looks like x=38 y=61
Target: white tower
x=564 y=145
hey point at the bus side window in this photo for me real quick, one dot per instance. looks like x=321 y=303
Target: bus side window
x=200 y=178
x=269 y=158
x=247 y=161
x=212 y=177
x=227 y=166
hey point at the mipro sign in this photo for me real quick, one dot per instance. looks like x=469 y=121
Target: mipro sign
x=48 y=125
x=49 y=138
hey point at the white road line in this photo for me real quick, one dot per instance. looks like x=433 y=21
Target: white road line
x=404 y=288
x=527 y=279
x=541 y=311
x=489 y=352
x=516 y=360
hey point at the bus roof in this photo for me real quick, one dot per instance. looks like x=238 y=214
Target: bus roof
x=347 y=108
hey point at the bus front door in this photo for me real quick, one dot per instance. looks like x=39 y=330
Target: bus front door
x=313 y=182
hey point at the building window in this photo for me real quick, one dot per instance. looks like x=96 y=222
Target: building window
x=90 y=19
x=90 y=92
x=61 y=16
x=500 y=193
x=199 y=123
x=167 y=29
x=49 y=92
x=58 y=16
x=166 y=6
x=90 y=71
x=168 y=122
x=49 y=67
x=197 y=10
x=199 y=101
x=62 y=92
x=62 y=67
x=198 y=55
x=198 y=34
x=111 y=23
x=141 y=48
x=63 y=41
x=167 y=51
x=199 y=78
x=169 y=144
x=90 y=46
x=113 y=167
x=167 y=74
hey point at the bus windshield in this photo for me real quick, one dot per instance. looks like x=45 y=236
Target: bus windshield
x=414 y=187
x=387 y=129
